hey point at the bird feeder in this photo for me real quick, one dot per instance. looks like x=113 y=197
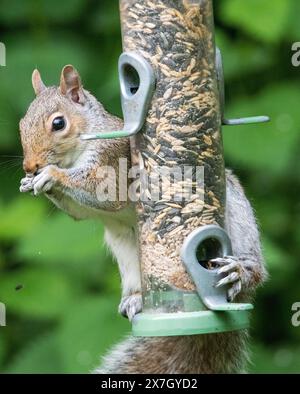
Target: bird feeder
x=173 y=103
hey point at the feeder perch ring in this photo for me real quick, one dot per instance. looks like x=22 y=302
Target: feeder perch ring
x=137 y=83
x=206 y=279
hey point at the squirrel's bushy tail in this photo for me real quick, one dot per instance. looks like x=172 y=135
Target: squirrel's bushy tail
x=216 y=353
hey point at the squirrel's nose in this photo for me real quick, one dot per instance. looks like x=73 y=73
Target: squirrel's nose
x=30 y=167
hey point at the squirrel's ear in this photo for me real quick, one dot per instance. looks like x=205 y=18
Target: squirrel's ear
x=37 y=83
x=70 y=84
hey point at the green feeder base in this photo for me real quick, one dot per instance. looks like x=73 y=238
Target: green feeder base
x=188 y=323
x=193 y=322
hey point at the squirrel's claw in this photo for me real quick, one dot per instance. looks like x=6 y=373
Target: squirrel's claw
x=230 y=266
x=131 y=305
x=231 y=278
x=234 y=290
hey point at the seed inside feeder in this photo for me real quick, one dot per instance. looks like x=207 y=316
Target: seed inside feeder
x=183 y=128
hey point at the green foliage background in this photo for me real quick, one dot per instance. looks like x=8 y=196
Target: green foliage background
x=65 y=316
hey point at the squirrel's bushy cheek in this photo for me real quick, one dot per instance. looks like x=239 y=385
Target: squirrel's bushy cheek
x=66 y=148
x=77 y=122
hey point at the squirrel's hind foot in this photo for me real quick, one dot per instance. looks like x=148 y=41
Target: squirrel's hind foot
x=233 y=272
x=131 y=305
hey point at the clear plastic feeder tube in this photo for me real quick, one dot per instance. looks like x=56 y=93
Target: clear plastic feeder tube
x=179 y=152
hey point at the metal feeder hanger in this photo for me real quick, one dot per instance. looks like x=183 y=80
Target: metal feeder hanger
x=205 y=310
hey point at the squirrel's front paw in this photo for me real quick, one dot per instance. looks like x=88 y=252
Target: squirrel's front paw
x=233 y=269
x=44 y=181
x=131 y=305
x=26 y=184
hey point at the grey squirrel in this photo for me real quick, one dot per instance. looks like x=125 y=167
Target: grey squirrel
x=60 y=165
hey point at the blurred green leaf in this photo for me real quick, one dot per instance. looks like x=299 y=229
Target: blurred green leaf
x=20 y=217
x=3 y=346
x=105 y=18
x=60 y=11
x=48 y=55
x=272 y=212
x=278 y=263
x=293 y=31
x=8 y=122
x=15 y=11
x=42 y=355
x=60 y=236
x=267 y=147
x=275 y=256
x=284 y=359
x=241 y=56
x=89 y=329
x=264 y=20
x=44 y=294
x=75 y=248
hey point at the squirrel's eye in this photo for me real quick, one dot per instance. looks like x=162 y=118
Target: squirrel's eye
x=58 y=123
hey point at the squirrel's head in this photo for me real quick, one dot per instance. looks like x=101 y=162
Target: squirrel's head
x=51 y=128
